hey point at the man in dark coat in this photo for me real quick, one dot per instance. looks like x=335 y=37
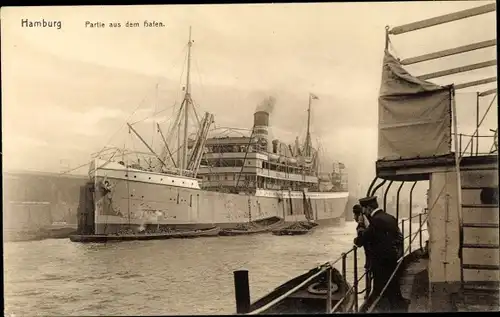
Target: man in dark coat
x=357 y=211
x=386 y=245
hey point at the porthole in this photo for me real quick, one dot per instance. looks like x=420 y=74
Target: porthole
x=150 y=178
x=135 y=176
x=489 y=195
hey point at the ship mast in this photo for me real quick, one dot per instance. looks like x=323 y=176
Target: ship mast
x=308 y=135
x=186 y=102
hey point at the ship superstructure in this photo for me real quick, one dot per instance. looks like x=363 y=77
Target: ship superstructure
x=249 y=163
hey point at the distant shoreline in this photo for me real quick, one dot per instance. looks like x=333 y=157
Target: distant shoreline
x=42 y=173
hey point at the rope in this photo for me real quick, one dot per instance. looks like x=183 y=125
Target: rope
x=349 y=291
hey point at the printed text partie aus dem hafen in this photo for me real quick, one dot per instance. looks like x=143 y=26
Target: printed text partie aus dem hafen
x=127 y=24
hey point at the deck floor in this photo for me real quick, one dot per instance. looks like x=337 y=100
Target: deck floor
x=477 y=301
x=415 y=287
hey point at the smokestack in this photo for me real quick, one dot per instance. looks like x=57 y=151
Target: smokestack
x=260 y=129
x=261 y=118
x=261 y=122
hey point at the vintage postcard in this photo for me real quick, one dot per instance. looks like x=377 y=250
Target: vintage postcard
x=250 y=158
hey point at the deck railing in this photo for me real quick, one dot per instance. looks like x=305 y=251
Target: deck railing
x=472 y=141
x=352 y=255
x=112 y=154
x=475 y=138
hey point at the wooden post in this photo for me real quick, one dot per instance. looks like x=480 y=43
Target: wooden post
x=329 y=291
x=355 y=264
x=89 y=208
x=477 y=123
x=242 y=291
x=82 y=210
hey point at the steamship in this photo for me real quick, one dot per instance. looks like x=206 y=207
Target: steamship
x=225 y=182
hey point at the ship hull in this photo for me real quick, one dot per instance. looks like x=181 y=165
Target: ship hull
x=127 y=199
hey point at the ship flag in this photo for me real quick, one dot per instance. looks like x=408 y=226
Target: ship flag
x=313 y=96
x=414 y=116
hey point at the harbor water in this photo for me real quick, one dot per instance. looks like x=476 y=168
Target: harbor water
x=190 y=276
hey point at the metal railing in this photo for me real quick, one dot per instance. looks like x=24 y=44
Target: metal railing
x=353 y=290
x=326 y=267
x=407 y=250
x=357 y=277
x=474 y=141
x=114 y=154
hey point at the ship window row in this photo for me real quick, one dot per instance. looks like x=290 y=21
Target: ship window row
x=220 y=177
x=285 y=168
x=224 y=162
x=220 y=148
x=265 y=165
x=257 y=182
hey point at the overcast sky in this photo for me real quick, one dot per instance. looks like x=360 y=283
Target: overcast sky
x=67 y=92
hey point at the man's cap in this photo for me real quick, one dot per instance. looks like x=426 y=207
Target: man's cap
x=357 y=209
x=364 y=202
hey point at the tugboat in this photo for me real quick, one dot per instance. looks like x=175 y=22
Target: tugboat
x=457 y=268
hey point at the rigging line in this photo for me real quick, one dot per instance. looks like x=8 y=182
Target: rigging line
x=199 y=74
x=133 y=148
x=181 y=84
x=195 y=113
x=155 y=110
x=194 y=109
x=74 y=169
x=174 y=63
x=111 y=138
x=154 y=114
x=175 y=125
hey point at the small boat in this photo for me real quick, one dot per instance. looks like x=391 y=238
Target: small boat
x=306 y=294
x=251 y=228
x=298 y=228
x=240 y=232
x=209 y=232
x=290 y=232
x=59 y=230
